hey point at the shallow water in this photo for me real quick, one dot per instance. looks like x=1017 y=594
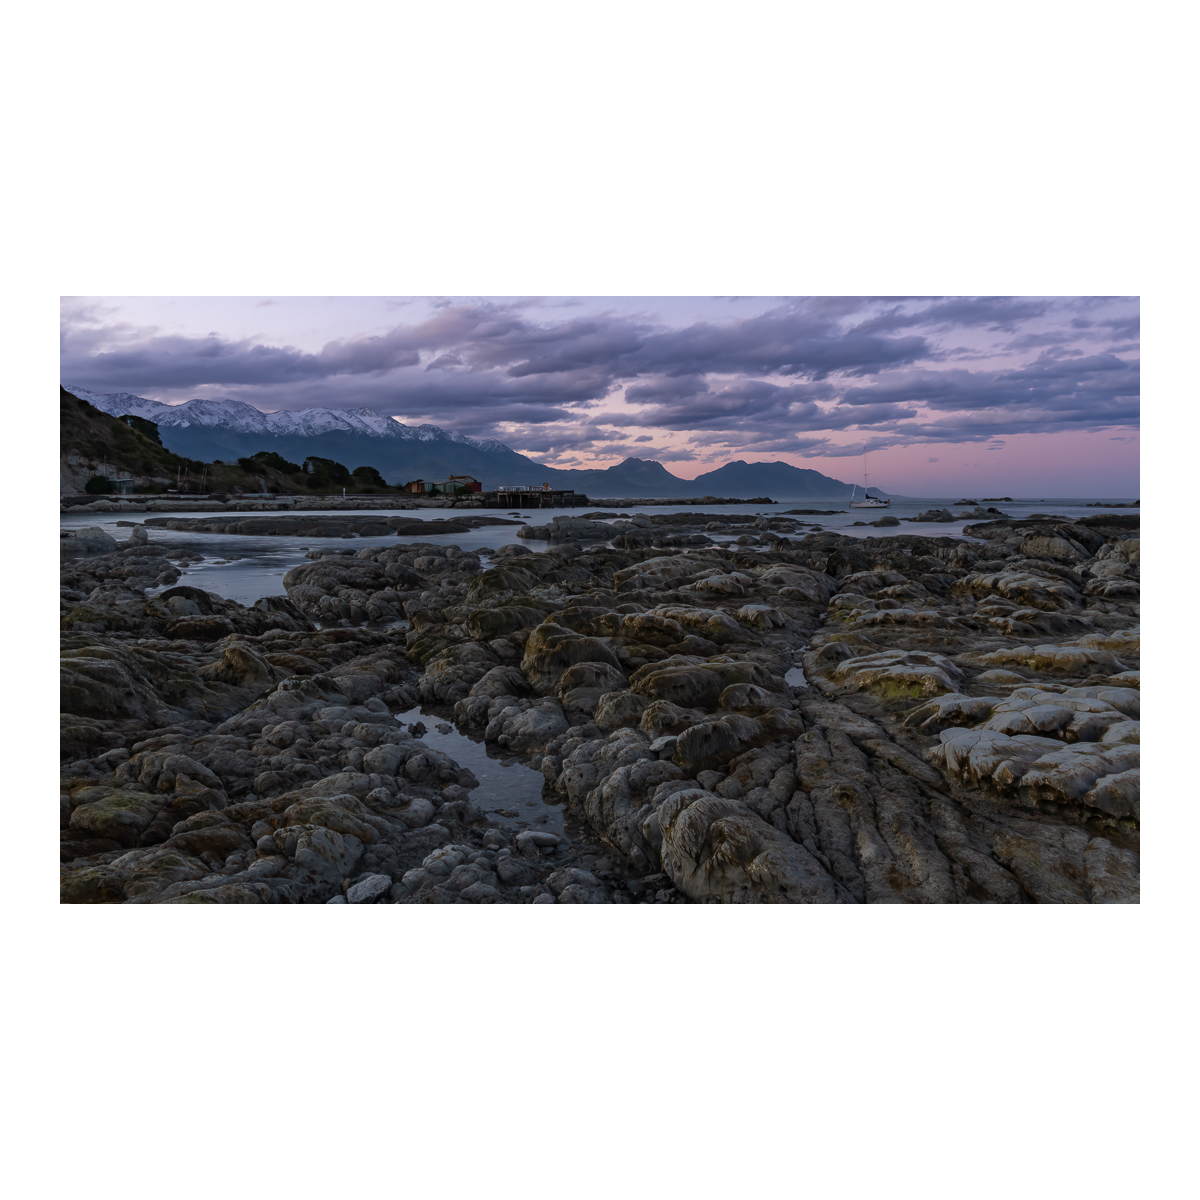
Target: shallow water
x=506 y=783
x=510 y=791
x=246 y=568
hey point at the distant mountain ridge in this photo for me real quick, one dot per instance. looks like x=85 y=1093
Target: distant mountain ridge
x=228 y=430
x=236 y=417
x=776 y=479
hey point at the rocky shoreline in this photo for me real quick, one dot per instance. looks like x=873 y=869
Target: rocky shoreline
x=790 y=716
x=282 y=502
x=276 y=502
x=304 y=525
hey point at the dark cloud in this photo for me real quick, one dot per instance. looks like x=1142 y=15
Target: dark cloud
x=762 y=443
x=1093 y=390
x=996 y=313
x=581 y=358
x=1126 y=327
x=783 y=343
x=666 y=390
x=552 y=441
x=745 y=403
x=1051 y=339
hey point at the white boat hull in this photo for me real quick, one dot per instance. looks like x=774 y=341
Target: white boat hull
x=869 y=503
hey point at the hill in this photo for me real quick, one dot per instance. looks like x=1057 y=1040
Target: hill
x=93 y=443
x=780 y=480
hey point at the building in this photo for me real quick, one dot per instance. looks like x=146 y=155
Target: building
x=455 y=485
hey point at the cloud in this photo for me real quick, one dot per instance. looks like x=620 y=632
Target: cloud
x=996 y=313
x=577 y=358
x=740 y=404
x=1091 y=391
x=666 y=389
x=556 y=376
x=784 y=443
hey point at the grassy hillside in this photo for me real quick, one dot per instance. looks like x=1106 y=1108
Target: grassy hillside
x=93 y=443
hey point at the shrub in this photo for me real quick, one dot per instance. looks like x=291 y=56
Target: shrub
x=98 y=486
x=369 y=476
x=268 y=458
x=149 y=428
x=324 y=472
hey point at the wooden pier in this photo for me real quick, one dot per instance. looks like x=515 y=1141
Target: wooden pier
x=533 y=498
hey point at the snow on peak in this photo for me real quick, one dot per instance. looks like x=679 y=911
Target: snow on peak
x=120 y=404
x=237 y=417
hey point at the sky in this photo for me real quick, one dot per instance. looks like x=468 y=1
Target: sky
x=1018 y=396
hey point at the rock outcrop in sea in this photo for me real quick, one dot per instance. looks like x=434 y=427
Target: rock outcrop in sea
x=787 y=718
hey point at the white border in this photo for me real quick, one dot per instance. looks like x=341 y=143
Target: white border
x=657 y=148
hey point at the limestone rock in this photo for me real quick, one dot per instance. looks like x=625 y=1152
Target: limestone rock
x=714 y=848
x=898 y=673
x=370 y=889
x=530 y=729
x=551 y=649
x=618 y=710
x=122 y=816
x=1065 y=659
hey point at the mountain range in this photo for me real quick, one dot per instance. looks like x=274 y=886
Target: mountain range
x=228 y=430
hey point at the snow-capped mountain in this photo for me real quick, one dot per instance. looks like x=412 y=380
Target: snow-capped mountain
x=358 y=437
x=236 y=417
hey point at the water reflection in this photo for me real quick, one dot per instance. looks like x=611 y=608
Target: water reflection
x=510 y=791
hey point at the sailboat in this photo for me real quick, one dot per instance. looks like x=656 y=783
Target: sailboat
x=868 y=501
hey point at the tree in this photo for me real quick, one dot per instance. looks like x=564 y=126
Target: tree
x=324 y=472
x=149 y=428
x=268 y=458
x=98 y=486
x=369 y=476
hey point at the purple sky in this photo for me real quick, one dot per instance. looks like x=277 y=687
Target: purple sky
x=1018 y=396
